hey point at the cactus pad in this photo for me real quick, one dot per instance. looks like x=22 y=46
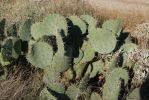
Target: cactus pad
x=61 y=63
x=56 y=22
x=115 y=26
x=11 y=49
x=25 y=30
x=113 y=83
x=79 y=23
x=73 y=92
x=135 y=95
x=52 y=25
x=102 y=41
x=89 y=20
x=97 y=68
x=89 y=53
x=3 y=62
x=78 y=59
x=40 y=54
x=51 y=79
x=128 y=47
x=95 y=96
x=45 y=95
x=79 y=68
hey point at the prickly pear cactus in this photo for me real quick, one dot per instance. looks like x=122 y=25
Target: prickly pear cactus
x=97 y=68
x=25 y=30
x=73 y=92
x=113 y=83
x=50 y=26
x=11 y=30
x=11 y=49
x=89 y=53
x=40 y=54
x=95 y=96
x=115 y=26
x=91 y=22
x=102 y=41
x=45 y=95
x=3 y=62
x=3 y=73
x=61 y=63
x=79 y=69
x=76 y=21
x=134 y=95
x=79 y=59
x=52 y=80
x=127 y=49
x=38 y=30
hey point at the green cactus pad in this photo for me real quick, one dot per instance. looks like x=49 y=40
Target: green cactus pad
x=113 y=83
x=25 y=30
x=79 y=68
x=79 y=23
x=73 y=92
x=97 y=68
x=128 y=47
x=135 y=95
x=60 y=44
x=61 y=63
x=38 y=30
x=56 y=22
x=84 y=82
x=3 y=73
x=51 y=25
x=95 y=96
x=86 y=53
x=69 y=74
x=51 y=79
x=115 y=26
x=89 y=53
x=90 y=21
x=81 y=55
x=2 y=62
x=40 y=54
x=11 y=30
x=112 y=63
x=102 y=41
x=11 y=49
x=46 y=95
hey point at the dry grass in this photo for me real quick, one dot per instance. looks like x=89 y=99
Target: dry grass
x=23 y=82
x=133 y=12
x=17 y=10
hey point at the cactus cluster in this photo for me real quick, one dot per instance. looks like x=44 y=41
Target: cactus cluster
x=80 y=60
